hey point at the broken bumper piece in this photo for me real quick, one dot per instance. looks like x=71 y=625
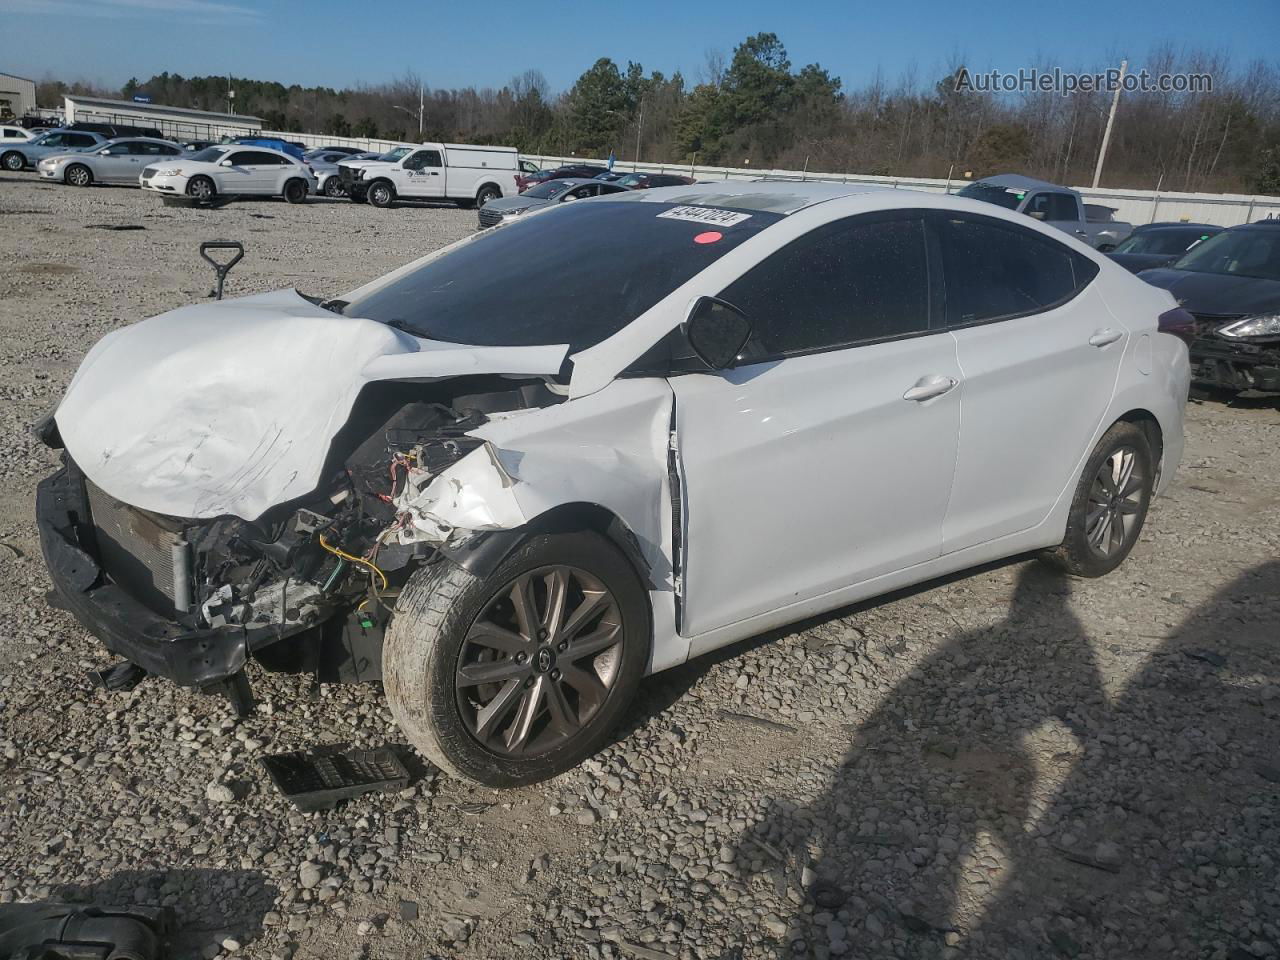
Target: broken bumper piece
x=162 y=646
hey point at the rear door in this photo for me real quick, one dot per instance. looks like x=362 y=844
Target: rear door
x=824 y=458
x=1040 y=354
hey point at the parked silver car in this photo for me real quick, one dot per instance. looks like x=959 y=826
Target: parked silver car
x=116 y=161
x=20 y=156
x=544 y=195
x=324 y=164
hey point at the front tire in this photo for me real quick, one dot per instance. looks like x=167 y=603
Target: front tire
x=381 y=194
x=1110 y=504
x=333 y=188
x=13 y=161
x=487 y=193
x=515 y=677
x=295 y=191
x=78 y=175
x=201 y=188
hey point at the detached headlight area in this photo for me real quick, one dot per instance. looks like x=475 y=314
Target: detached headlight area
x=169 y=172
x=1264 y=325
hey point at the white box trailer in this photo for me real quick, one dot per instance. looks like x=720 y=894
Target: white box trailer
x=464 y=173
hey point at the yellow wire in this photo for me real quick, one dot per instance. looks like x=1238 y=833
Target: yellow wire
x=354 y=559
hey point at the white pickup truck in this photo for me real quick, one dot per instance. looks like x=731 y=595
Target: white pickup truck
x=467 y=175
x=1051 y=204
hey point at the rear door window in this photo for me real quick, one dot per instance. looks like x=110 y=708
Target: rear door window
x=997 y=270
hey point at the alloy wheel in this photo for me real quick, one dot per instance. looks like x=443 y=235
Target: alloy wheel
x=539 y=661
x=1115 y=500
x=78 y=176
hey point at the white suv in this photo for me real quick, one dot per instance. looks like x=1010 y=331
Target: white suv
x=232 y=170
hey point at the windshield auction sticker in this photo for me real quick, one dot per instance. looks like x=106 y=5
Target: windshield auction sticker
x=719 y=218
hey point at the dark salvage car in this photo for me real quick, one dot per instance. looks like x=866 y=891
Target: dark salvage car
x=685 y=416
x=1230 y=283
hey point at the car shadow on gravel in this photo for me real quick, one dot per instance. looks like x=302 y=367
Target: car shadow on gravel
x=209 y=906
x=1000 y=803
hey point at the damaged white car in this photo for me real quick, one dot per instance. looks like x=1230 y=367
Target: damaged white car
x=513 y=477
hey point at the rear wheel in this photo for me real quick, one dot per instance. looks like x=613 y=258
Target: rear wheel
x=381 y=195
x=201 y=188
x=295 y=191
x=513 y=678
x=487 y=192
x=13 y=161
x=78 y=175
x=1110 y=504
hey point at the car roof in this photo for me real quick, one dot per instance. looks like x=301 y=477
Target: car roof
x=573 y=181
x=775 y=196
x=1171 y=224
x=1019 y=182
x=170 y=143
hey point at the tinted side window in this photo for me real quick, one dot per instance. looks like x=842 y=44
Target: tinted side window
x=240 y=158
x=996 y=270
x=80 y=140
x=1054 y=206
x=418 y=160
x=844 y=283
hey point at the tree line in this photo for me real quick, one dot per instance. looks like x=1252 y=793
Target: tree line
x=754 y=108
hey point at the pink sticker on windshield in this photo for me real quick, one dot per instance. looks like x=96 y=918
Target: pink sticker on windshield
x=711 y=236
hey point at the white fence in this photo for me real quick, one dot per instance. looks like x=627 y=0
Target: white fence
x=1135 y=206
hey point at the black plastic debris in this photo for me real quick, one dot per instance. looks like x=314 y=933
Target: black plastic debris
x=124 y=675
x=114 y=226
x=319 y=779
x=408 y=911
x=827 y=895
x=68 y=931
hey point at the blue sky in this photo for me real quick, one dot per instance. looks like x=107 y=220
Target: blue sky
x=485 y=42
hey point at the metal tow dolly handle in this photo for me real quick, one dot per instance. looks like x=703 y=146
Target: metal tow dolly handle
x=221 y=269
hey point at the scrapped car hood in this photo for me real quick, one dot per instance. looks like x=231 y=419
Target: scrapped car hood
x=1217 y=292
x=230 y=407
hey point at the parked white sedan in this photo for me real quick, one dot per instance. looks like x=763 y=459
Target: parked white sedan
x=685 y=416
x=232 y=170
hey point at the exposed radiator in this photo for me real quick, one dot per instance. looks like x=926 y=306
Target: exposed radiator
x=138 y=551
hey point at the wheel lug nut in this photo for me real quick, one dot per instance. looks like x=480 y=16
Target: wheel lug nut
x=521 y=657
x=563 y=646
x=555 y=674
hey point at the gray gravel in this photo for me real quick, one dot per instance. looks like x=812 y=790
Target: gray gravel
x=1009 y=764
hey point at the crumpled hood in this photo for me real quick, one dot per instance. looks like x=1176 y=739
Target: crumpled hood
x=1217 y=292
x=230 y=407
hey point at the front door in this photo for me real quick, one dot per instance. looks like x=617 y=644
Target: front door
x=825 y=457
x=421 y=175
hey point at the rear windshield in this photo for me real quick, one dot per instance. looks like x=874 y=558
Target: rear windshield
x=1173 y=240
x=548 y=190
x=576 y=274
x=1007 y=197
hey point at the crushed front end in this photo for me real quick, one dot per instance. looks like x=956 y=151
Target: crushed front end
x=1227 y=354
x=193 y=600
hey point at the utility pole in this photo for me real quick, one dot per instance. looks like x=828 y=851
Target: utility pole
x=1111 y=119
x=231 y=96
x=639 y=130
x=421 y=109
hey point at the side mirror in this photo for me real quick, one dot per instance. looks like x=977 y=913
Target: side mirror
x=226 y=163
x=1036 y=214
x=105 y=153
x=717 y=331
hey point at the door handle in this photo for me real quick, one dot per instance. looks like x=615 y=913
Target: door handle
x=1101 y=338
x=927 y=388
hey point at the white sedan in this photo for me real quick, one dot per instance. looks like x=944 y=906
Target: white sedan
x=683 y=417
x=231 y=170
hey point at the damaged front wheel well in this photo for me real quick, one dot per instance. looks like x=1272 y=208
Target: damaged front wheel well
x=482 y=552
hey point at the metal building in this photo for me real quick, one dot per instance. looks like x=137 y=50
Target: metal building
x=17 y=97
x=177 y=122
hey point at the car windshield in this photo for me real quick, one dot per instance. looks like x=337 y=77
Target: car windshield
x=548 y=190
x=1170 y=241
x=208 y=154
x=391 y=156
x=575 y=275
x=1007 y=197
x=1236 y=253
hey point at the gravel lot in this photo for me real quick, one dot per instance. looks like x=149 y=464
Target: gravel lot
x=1007 y=764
